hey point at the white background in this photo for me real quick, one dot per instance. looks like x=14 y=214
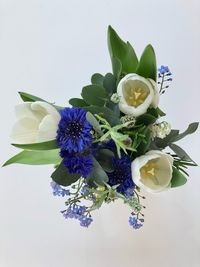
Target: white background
x=51 y=48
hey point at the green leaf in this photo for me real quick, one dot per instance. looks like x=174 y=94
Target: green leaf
x=109 y=83
x=106 y=113
x=35 y=157
x=190 y=130
x=95 y=124
x=162 y=143
x=181 y=153
x=122 y=51
x=178 y=178
x=30 y=98
x=146 y=119
x=98 y=175
x=77 y=102
x=105 y=159
x=97 y=79
x=48 y=145
x=160 y=112
x=62 y=176
x=147 y=65
x=117 y=68
x=94 y=95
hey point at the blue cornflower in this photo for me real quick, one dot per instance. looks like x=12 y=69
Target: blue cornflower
x=121 y=174
x=129 y=192
x=58 y=190
x=134 y=222
x=74 y=131
x=77 y=163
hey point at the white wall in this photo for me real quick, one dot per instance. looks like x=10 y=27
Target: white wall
x=51 y=48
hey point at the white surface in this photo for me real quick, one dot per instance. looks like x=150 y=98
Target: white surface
x=50 y=48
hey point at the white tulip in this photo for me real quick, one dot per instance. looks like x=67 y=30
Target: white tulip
x=36 y=122
x=137 y=94
x=153 y=171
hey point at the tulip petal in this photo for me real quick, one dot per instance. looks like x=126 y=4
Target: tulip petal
x=25 y=131
x=47 y=128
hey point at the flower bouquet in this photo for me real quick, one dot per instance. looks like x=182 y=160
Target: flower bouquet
x=109 y=144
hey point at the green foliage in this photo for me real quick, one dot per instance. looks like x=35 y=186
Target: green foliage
x=48 y=145
x=77 y=102
x=105 y=159
x=147 y=66
x=94 y=95
x=62 y=176
x=121 y=51
x=178 y=178
x=190 y=130
x=98 y=175
x=35 y=157
x=97 y=79
x=109 y=83
x=105 y=112
x=146 y=119
x=93 y=121
x=181 y=153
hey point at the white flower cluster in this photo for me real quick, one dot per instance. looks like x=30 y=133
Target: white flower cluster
x=161 y=130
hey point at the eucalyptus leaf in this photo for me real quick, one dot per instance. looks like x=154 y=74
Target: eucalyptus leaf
x=162 y=143
x=77 y=102
x=180 y=153
x=178 y=179
x=95 y=124
x=35 y=157
x=147 y=64
x=121 y=50
x=108 y=114
x=48 y=145
x=109 y=83
x=62 y=176
x=98 y=175
x=190 y=130
x=94 y=95
x=97 y=79
x=105 y=159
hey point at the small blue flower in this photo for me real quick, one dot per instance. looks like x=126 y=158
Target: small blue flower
x=129 y=192
x=134 y=222
x=74 y=131
x=77 y=164
x=79 y=213
x=163 y=69
x=58 y=190
x=85 y=221
x=122 y=174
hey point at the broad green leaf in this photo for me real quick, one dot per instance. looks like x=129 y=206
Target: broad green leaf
x=146 y=119
x=98 y=175
x=190 y=130
x=156 y=112
x=38 y=146
x=180 y=153
x=147 y=64
x=62 y=176
x=105 y=112
x=93 y=121
x=109 y=83
x=160 y=112
x=35 y=157
x=94 y=95
x=178 y=178
x=117 y=68
x=105 y=159
x=77 y=102
x=30 y=98
x=122 y=51
x=97 y=79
